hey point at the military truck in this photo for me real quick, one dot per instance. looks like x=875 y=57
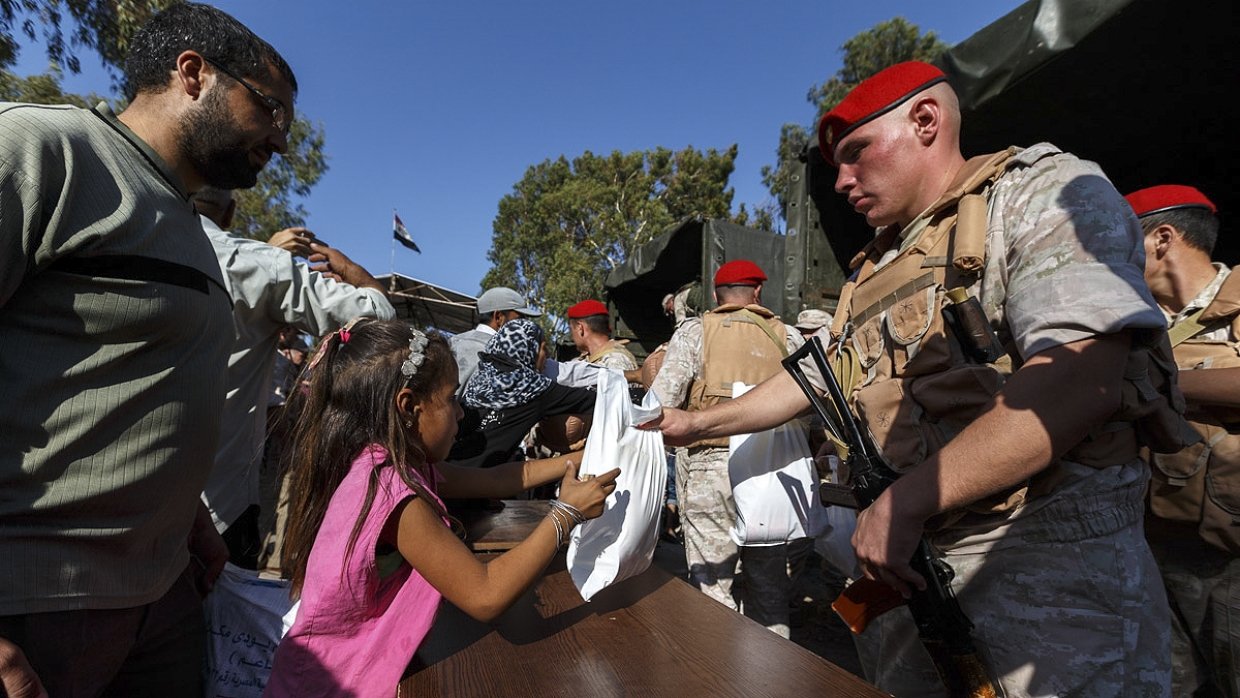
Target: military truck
x=1139 y=86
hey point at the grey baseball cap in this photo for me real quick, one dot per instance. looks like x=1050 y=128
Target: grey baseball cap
x=812 y=319
x=499 y=299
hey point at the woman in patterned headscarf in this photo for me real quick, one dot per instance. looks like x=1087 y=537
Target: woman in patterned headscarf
x=508 y=395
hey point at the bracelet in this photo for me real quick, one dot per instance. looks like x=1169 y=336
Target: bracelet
x=559 y=530
x=571 y=511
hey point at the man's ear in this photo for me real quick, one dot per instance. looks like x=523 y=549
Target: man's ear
x=189 y=73
x=926 y=115
x=1165 y=236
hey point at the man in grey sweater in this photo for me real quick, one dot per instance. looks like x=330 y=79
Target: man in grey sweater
x=117 y=328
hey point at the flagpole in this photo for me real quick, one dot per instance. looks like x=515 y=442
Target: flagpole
x=393 y=262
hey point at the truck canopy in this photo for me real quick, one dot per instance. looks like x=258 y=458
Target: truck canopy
x=691 y=251
x=1138 y=86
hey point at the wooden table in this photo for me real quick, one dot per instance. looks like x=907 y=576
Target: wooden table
x=652 y=635
x=490 y=532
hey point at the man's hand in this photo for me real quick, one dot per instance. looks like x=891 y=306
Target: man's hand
x=294 y=240
x=676 y=426
x=885 y=540
x=334 y=264
x=17 y=677
x=207 y=551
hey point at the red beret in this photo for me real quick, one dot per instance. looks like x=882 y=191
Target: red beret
x=1165 y=197
x=586 y=309
x=741 y=272
x=875 y=96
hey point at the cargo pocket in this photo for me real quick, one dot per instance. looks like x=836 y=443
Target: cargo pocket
x=917 y=332
x=895 y=423
x=1220 y=519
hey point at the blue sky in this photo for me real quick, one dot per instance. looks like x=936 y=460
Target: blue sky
x=436 y=109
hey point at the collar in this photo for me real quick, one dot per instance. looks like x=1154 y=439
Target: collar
x=485 y=329
x=103 y=111
x=1205 y=297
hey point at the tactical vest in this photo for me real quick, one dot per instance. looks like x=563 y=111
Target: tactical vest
x=1200 y=485
x=908 y=377
x=739 y=343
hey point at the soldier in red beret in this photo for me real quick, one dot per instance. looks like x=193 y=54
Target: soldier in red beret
x=1021 y=471
x=590 y=328
x=1194 y=494
x=738 y=341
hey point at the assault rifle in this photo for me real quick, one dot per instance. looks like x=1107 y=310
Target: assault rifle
x=942 y=626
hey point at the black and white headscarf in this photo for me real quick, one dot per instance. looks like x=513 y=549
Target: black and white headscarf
x=506 y=375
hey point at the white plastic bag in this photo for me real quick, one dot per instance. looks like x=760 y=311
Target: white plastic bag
x=774 y=484
x=244 y=614
x=620 y=543
x=834 y=542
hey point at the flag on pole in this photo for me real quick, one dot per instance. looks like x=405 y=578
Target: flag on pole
x=402 y=234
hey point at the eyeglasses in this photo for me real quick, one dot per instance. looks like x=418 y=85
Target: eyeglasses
x=279 y=113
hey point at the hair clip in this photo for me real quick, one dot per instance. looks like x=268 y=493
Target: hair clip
x=417 y=345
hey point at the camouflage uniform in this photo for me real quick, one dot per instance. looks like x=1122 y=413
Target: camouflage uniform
x=708 y=511
x=1202 y=580
x=1062 y=587
x=613 y=355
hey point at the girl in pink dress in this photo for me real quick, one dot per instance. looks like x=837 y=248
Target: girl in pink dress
x=369 y=544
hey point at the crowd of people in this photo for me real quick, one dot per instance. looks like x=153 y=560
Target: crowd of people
x=1081 y=483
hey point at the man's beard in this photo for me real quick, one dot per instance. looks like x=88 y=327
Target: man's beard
x=214 y=147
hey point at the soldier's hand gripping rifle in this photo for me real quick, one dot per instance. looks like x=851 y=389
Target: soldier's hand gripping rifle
x=943 y=628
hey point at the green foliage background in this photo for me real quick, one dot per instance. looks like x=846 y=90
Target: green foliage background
x=105 y=27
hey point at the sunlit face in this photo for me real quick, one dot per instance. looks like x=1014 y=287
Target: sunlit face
x=437 y=420
x=228 y=135
x=878 y=170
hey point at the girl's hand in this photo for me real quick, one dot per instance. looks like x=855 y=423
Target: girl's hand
x=587 y=495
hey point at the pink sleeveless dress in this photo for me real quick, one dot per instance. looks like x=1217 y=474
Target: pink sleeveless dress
x=355 y=632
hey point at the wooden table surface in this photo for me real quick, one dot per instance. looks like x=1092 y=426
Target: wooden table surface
x=502 y=530
x=652 y=635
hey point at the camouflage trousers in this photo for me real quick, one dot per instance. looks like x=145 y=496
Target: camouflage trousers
x=766 y=574
x=1062 y=606
x=1203 y=588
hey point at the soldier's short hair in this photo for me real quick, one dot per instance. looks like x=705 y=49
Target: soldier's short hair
x=1197 y=226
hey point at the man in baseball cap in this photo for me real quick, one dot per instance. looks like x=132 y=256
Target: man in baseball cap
x=495 y=307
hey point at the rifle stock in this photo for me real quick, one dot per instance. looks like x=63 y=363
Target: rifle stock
x=942 y=626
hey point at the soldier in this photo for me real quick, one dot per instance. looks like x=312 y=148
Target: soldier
x=811 y=321
x=738 y=341
x=590 y=328
x=1022 y=472
x=1194 y=494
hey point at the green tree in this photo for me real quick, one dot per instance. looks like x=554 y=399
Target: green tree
x=67 y=26
x=882 y=46
x=41 y=89
x=567 y=224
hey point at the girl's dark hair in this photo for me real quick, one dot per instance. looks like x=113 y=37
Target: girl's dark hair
x=350 y=404
x=191 y=26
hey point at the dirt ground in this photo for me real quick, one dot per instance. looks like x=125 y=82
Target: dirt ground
x=814 y=625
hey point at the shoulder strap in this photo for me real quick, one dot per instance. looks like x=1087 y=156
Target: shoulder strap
x=761 y=322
